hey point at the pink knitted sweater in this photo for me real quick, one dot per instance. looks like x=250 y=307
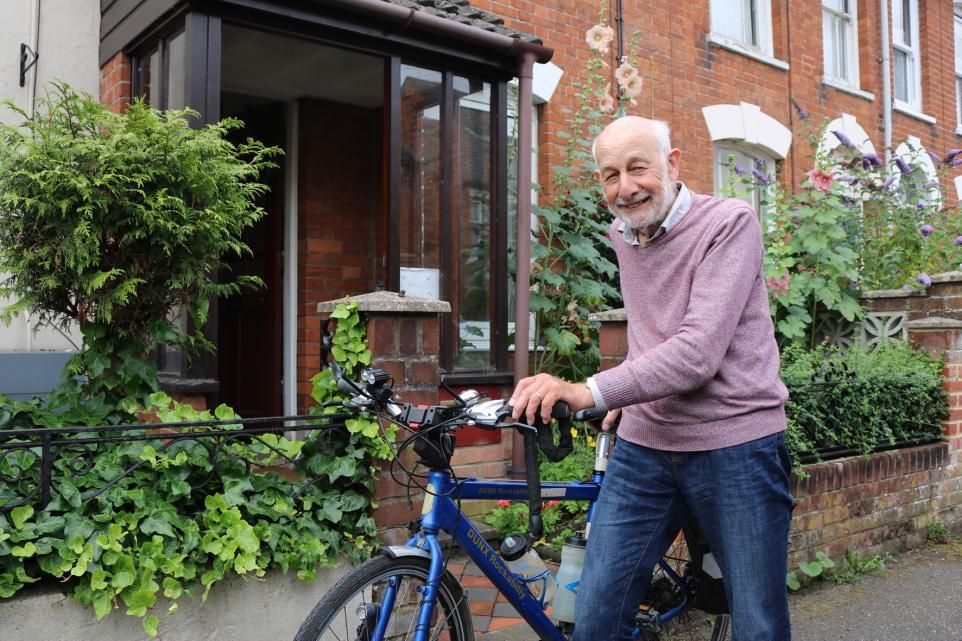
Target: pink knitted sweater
x=702 y=365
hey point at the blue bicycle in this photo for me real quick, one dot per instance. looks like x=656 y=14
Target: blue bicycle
x=406 y=592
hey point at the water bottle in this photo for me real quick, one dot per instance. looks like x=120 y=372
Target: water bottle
x=525 y=563
x=569 y=576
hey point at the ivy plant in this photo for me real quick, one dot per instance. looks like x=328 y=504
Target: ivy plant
x=182 y=520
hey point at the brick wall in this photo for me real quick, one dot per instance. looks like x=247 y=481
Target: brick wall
x=115 y=88
x=338 y=213
x=688 y=72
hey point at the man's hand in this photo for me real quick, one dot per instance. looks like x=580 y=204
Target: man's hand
x=608 y=422
x=546 y=390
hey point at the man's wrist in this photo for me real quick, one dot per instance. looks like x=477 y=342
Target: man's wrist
x=598 y=401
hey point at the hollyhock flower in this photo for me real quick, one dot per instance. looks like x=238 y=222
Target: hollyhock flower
x=820 y=180
x=926 y=230
x=845 y=140
x=924 y=279
x=632 y=88
x=552 y=503
x=903 y=166
x=607 y=104
x=958 y=240
x=599 y=38
x=625 y=73
x=503 y=503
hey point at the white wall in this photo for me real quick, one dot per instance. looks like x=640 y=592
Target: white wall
x=68 y=46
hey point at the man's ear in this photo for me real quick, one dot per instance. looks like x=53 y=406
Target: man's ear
x=598 y=175
x=674 y=163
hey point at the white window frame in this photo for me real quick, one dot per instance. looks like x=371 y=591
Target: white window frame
x=750 y=154
x=755 y=29
x=910 y=49
x=957 y=21
x=843 y=27
x=913 y=152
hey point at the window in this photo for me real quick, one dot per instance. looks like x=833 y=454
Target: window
x=744 y=161
x=905 y=40
x=840 y=40
x=958 y=71
x=161 y=73
x=747 y=22
x=453 y=233
x=920 y=185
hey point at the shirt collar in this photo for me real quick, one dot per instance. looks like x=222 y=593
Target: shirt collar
x=679 y=208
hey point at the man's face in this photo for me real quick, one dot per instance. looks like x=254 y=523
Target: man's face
x=636 y=176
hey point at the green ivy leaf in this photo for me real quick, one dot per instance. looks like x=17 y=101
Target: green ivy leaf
x=150 y=625
x=19 y=515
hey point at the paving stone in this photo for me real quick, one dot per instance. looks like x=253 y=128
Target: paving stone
x=504 y=610
x=483 y=594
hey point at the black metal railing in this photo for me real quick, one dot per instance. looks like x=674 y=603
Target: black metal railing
x=28 y=456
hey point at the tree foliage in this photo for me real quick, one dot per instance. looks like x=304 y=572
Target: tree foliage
x=113 y=220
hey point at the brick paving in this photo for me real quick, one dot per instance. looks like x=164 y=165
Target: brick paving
x=490 y=611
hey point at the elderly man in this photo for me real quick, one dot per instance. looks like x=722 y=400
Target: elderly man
x=702 y=429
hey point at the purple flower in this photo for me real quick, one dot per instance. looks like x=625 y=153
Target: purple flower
x=739 y=170
x=802 y=114
x=760 y=177
x=958 y=240
x=920 y=204
x=887 y=182
x=852 y=180
x=906 y=287
x=932 y=155
x=924 y=279
x=951 y=154
x=845 y=140
x=932 y=184
x=926 y=230
x=760 y=164
x=872 y=159
x=956 y=161
x=903 y=166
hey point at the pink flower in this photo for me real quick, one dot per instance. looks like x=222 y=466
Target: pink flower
x=503 y=503
x=599 y=38
x=820 y=180
x=552 y=503
x=632 y=88
x=607 y=104
x=625 y=74
x=779 y=285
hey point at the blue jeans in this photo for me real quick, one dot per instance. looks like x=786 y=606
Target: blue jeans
x=739 y=496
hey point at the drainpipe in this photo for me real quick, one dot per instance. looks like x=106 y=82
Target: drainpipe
x=35 y=45
x=886 y=81
x=523 y=270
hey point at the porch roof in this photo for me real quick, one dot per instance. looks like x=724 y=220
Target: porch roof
x=462 y=11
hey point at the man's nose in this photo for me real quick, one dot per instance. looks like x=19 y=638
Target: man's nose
x=626 y=186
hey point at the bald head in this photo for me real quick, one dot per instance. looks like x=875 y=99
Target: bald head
x=631 y=126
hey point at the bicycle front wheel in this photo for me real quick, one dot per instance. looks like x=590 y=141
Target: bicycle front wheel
x=351 y=609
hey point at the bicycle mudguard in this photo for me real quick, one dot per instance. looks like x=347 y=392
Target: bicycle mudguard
x=399 y=551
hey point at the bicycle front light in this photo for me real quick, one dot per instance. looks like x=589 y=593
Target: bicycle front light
x=374 y=376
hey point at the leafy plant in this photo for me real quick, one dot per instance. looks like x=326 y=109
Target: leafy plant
x=114 y=220
x=846 y=571
x=937 y=532
x=182 y=519
x=860 y=401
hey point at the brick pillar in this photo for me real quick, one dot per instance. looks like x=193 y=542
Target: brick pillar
x=943 y=336
x=115 y=88
x=613 y=337
x=403 y=335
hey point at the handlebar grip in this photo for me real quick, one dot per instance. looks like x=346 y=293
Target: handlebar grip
x=590 y=414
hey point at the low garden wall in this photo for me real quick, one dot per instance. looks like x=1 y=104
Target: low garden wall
x=236 y=609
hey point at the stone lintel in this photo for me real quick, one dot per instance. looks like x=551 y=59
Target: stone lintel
x=947 y=277
x=391 y=302
x=609 y=316
x=895 y=293
x=933 y=323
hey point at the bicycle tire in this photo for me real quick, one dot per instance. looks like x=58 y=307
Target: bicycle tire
x=692 y=625
x=335 y=617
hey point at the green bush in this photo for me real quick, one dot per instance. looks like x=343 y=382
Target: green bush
x=860 y=402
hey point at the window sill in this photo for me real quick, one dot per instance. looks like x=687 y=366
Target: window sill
x=847 y=88
x=903 y=108
x=725 y=42
x=958 y=130
x=459 y=378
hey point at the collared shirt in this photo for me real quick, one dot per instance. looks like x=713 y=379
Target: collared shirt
x=678 y=210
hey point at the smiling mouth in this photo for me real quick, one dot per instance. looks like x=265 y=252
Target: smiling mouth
x=637 y=203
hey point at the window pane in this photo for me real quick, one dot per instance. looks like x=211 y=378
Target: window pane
x=420 y=181
x=176 y=71
x=473 y=190
x=148 y=72
x=958 y=45
x=829 y=44
x=729 y=17
x=841 y=60
x=901 y=76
